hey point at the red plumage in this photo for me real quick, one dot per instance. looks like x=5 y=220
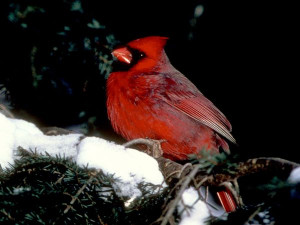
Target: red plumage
x=151 y=99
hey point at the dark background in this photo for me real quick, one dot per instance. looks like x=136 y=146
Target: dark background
x=240 y=54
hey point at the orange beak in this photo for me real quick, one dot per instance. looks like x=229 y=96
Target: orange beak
x=123 y=55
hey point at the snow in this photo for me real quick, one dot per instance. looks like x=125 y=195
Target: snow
x=19 y=190
x=196 y=211
x=129 y=165
x=294 y=177
x=214 y=206
x=16 y=133
x=29 y=136
x=6 y=141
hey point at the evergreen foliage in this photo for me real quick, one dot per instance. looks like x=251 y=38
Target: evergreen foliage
x=40 y=189
x=56 y=58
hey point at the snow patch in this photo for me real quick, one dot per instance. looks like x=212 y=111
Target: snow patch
x=130 y=166
x=195 y=212
x=7 y=139
x=294 y=177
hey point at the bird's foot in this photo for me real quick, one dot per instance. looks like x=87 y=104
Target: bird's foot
x=153 y=146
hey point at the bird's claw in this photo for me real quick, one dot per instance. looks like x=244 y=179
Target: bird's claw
x=155 y=149
x=153 y=146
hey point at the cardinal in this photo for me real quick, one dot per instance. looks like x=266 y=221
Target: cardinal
x=148 y=98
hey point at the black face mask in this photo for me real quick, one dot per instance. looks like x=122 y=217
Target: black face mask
x=136 y=57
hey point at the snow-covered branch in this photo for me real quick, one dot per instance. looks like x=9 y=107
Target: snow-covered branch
x=132 y=167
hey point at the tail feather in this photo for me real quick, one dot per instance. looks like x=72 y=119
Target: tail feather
x=227 y=200
x=222 y=143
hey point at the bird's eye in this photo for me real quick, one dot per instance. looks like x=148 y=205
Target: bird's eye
x=142 y=54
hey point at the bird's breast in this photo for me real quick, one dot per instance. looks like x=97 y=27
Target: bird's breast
x=130 y=107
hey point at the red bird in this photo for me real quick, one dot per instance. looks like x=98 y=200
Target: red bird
x=149 y=98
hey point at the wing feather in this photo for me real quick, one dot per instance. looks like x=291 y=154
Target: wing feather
x=189 y=100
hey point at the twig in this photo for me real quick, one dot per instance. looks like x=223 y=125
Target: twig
x=168 y=167
x=74 y=198
x=7 y=215
x=60 y=179
x=198 y=190
x=169 y=194
x=254 y=214
x=179 y=195
x=206 y=193
x=237 y=188
x=172 y=174
x=185 y=208
x=251 y=166
x=100 y=220
x=148 y=142
x=182 y=172
x=187 y=165
x=202 y=181
x=6 y=111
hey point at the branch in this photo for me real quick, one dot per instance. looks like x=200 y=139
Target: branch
x=74 y=198
x=154 y=146
x=174 y=203
x=172 y=170
x=6 y=111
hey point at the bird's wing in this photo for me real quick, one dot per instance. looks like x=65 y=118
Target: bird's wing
x=185 y=97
